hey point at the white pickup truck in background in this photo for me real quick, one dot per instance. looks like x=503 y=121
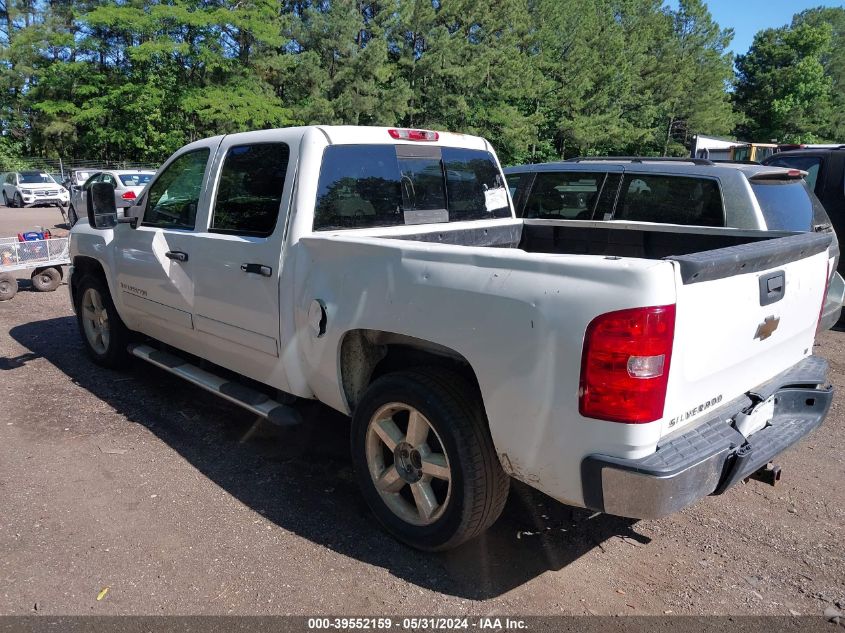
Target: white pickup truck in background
x=382 y=272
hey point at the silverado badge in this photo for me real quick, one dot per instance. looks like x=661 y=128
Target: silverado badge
x=765 y=329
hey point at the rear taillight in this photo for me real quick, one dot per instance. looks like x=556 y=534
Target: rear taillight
x=129 y=195
x=625 y=364
x=413 y=135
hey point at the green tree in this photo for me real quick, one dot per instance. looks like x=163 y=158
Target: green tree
x=833 y=61
x=697 y=69
x=782 y=87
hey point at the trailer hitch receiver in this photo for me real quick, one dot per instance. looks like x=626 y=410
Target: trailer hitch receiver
x=768 y=474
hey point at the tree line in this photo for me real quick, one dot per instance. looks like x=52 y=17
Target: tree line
x=542 y=79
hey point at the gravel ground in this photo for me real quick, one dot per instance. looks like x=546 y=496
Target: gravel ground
x=176 y=503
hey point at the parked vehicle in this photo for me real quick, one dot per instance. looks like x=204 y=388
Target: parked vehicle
x=742 y=198
x=33 y=188
x=753 y=152
x=77 y=177
x=127 y=184
x=723 y=149
x=825 y=169
x=625 y=368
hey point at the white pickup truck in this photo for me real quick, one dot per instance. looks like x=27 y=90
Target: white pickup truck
x=382 y=272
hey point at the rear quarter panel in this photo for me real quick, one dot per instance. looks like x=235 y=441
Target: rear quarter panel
x=518 y=318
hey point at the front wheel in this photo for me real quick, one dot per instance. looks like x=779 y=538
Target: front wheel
x=425 y=460
x=18 y=200
x=103 y=332
x=72 y=218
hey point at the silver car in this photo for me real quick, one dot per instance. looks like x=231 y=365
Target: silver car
x=128 y=185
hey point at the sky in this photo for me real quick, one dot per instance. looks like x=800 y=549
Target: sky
x=746 y=17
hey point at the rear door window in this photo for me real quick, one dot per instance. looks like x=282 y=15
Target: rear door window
x=364 y=186
x=787 y=204
x=564 y=195
x=250 y=190
x=670 y=200
x=810 y=164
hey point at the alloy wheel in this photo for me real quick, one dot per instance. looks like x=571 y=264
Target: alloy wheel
x=408 y=464
x=95 y=320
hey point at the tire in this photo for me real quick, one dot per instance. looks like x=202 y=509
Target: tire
x=18 y=201
x=438 y=492
x=8 y=286
x=104 y=335
x=46 y=279
x=72 y=218
x=5 y=199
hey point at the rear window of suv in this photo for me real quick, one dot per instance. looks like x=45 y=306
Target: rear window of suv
x=787 y=205
x=365 y=186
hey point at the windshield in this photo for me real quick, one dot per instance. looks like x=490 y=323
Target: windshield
x=134 y=180
x=787 y=205
x=36 y=179
x=365 y=186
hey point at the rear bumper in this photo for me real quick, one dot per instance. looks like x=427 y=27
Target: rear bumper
x=713 y=456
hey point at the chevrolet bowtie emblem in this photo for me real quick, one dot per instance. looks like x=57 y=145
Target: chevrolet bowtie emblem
x=765 y=329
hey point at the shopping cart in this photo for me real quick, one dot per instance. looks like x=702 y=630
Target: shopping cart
x=34 y=250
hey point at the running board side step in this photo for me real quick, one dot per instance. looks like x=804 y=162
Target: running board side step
x=250 y=399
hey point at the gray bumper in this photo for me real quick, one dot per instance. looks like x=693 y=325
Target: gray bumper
x=713 y=456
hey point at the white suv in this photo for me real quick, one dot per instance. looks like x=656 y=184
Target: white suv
x=33 y=189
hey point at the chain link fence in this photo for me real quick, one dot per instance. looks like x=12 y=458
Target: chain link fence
x=61 y=166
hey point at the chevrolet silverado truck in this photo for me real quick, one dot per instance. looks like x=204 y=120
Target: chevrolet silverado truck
x=383 y=272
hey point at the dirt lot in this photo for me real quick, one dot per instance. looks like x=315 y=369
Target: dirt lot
x=171 y=500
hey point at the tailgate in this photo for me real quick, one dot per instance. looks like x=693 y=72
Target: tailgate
x=744 y=314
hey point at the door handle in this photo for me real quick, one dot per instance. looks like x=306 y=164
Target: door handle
x=179 y=256
x=257 y=269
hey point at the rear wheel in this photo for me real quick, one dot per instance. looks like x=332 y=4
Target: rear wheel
x=5 y=199
x=424 y=458
x=8 y=286
x=46 y=279
x=72 y=218
x=103 y=332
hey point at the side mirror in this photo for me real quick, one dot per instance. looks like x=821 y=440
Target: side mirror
x=102 y=209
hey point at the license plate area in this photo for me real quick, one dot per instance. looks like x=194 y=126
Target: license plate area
x=752 y=421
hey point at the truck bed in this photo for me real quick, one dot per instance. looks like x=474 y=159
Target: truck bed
x=576 y=237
